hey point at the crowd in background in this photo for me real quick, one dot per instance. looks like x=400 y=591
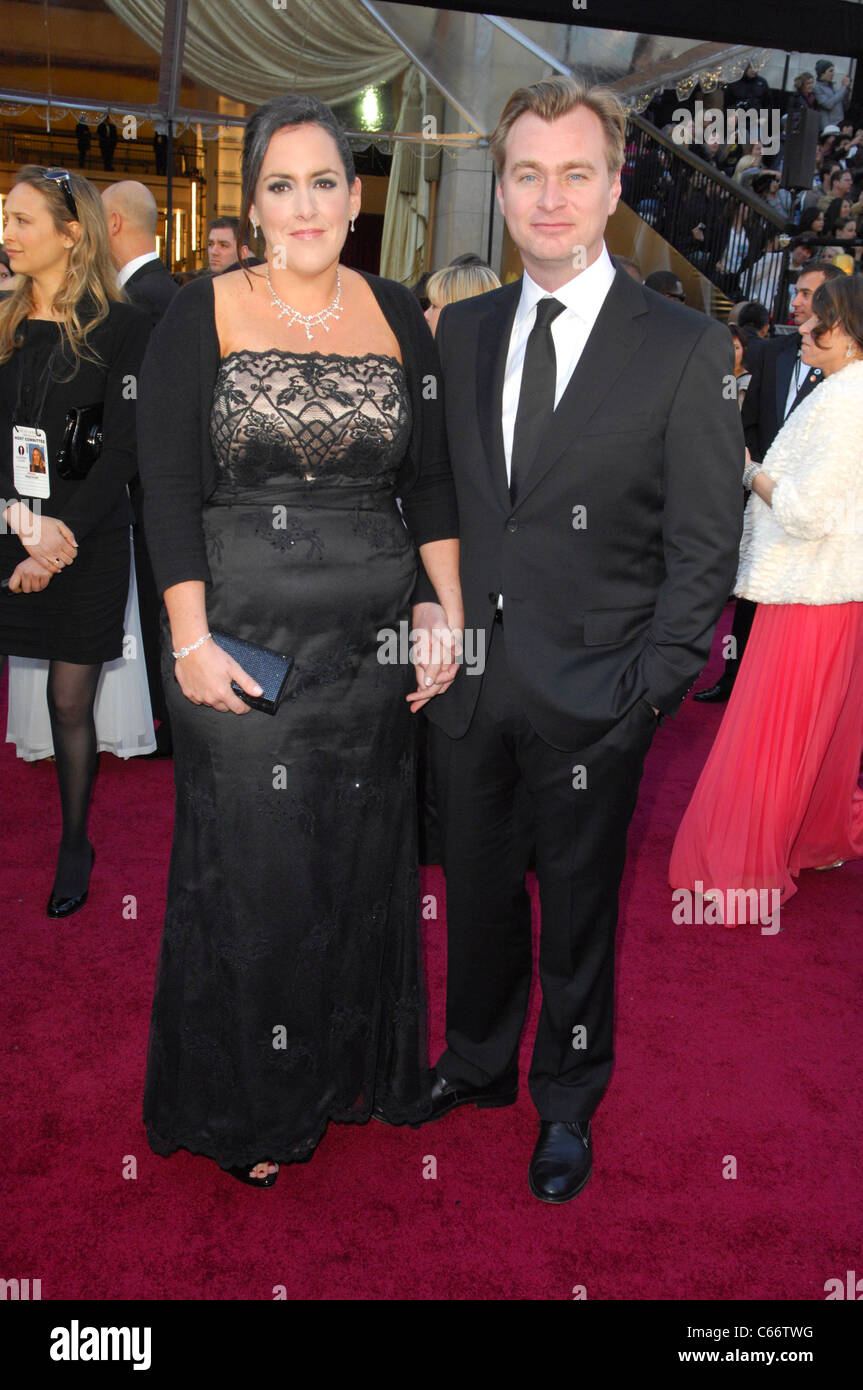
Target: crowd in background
x=739 y=244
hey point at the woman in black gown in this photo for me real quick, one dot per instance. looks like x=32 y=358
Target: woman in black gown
x=67 y=339
x=284 y=410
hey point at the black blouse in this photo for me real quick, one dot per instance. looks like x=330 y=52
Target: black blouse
x=175 y=458
x=100 y=500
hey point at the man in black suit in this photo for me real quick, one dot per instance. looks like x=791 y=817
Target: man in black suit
x=132 y=217
x=106 y=132
x=598 y=454
x=779 y=382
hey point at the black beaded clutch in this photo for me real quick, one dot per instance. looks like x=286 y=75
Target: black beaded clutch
x=270 y=669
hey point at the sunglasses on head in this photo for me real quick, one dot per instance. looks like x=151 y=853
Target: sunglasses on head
x=64 y=183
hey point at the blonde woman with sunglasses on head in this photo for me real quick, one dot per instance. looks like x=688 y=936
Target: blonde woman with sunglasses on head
x=68 y=341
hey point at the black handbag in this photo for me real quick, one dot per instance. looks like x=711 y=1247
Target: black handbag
x=82 y=442
x=270 y=669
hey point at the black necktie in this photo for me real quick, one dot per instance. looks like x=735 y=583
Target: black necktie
x=536 y=397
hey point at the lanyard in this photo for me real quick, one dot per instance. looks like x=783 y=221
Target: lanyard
x=44 y=382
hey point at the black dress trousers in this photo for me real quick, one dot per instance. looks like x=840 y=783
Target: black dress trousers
x=581 y=804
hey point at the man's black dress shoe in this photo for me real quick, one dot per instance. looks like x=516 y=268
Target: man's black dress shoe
x=714 y=695
x=562 y=1160
x=64 y=907
x=445 y=1096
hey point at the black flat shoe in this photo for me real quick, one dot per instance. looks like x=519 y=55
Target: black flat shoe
x=445 y=1096
x=562 y=1161
x=716 y=694
x=64 y=907
x=242 y=1175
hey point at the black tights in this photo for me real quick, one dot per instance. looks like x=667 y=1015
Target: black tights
x=71 y=698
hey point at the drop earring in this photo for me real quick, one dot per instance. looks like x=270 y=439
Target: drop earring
x=353 y=224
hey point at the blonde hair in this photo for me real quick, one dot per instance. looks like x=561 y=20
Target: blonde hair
x=457 y=282
x=553 y=98
x=90 y=274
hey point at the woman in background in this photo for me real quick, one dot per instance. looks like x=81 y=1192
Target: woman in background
x=811 y=222
x=121 y=711
x=67 y=340
x=837 y=212
x=779 y=791
x=742 y=370
x=455 y=282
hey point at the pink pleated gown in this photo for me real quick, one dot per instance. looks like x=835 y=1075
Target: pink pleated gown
x=780 y=790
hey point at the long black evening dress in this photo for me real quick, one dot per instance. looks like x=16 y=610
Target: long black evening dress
x=288 y=986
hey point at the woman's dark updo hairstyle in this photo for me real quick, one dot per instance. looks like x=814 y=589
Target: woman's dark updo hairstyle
x=294 y=109
x=839 y=300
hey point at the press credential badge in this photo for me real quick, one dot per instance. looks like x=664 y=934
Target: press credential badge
x=30 y=462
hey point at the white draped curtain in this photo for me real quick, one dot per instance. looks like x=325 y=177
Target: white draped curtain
x=252 y=50
x=406 y=220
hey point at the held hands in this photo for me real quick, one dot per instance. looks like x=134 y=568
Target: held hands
x=436 y=648
x=205 y=676
x=29 y=577
x=50 y=543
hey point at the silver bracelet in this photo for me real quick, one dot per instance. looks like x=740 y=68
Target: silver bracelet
x=185 y=651
x=749 y=473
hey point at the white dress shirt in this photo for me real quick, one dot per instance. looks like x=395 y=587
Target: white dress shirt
x=798 y=378
x=131 y=266
x=583 y=296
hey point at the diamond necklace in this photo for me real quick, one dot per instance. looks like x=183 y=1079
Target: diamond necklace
x=309 y=321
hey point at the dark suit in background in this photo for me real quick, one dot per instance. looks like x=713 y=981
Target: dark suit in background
x=606 y=612
x=152 y=288
x=773 y=363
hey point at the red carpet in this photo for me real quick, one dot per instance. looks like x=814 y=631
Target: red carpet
x=730 y=1044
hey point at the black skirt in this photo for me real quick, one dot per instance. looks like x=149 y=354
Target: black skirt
x=79 y=616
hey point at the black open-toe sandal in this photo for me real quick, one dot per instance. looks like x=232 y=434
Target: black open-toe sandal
x=242 y=1175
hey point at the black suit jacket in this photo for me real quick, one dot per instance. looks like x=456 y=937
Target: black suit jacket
x=763 y=412
x=152 y=288
x=647 y=440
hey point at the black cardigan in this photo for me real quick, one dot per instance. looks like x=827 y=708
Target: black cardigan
x=100 y=500
x=175 y=459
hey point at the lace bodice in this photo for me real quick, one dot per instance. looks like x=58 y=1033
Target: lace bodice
x=308 y=417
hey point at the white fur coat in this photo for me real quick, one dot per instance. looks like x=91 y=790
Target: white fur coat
x=808 y=547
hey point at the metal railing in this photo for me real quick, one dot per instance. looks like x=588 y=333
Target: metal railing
x=731 y=236
x=135 y=158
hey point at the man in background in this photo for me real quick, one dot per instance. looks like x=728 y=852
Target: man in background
x=666 y=283
x=223 y=252
x=132 y=217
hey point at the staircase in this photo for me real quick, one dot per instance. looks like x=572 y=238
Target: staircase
x=671 y=195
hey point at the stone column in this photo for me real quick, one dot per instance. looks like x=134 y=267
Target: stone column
x=464 y=203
